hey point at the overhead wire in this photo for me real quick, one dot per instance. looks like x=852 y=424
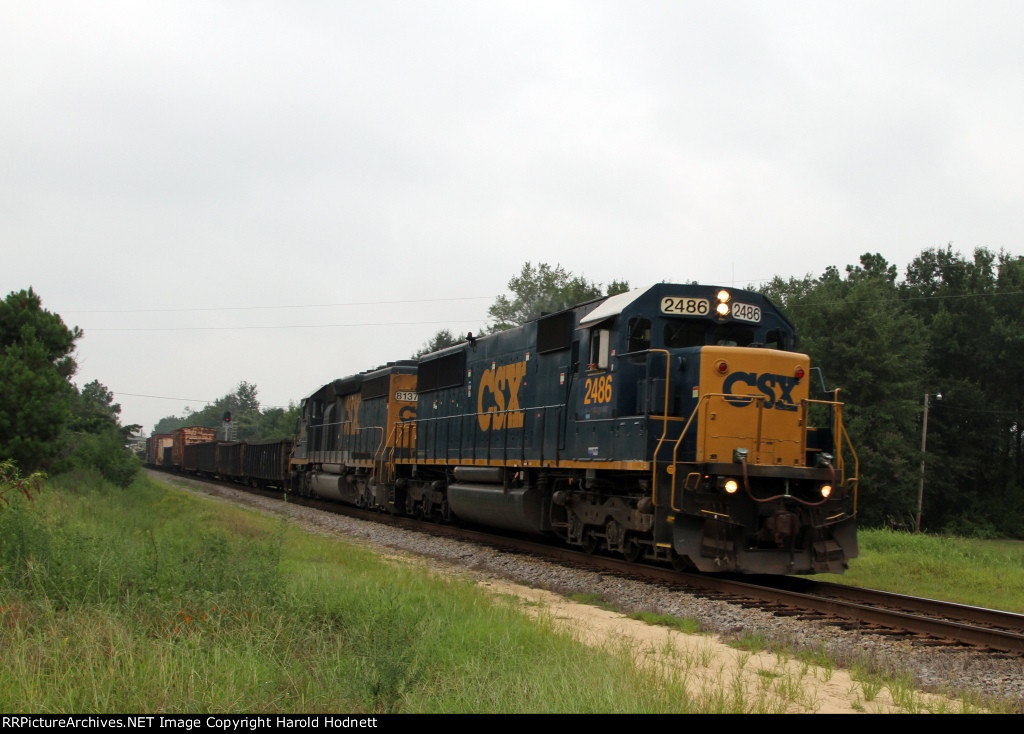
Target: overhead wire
x=258 y=308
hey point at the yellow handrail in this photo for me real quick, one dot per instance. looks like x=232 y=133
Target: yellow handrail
x=842 y=438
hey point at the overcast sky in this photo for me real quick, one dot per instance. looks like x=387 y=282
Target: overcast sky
x=283 y=193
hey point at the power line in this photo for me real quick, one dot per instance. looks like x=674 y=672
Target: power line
x=186 y=400
x=284 y=326
x=898 y=298
x=256 y=308
x=162 y=397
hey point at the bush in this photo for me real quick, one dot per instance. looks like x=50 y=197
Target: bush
x=12 y=482
x=104 y=452
x=23 y=539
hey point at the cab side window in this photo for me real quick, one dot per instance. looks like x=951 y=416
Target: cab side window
x=639 y=335
x=599 y=349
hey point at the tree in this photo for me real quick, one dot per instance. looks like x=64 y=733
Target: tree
x=169 y=424
x=536 y=291
x=953 y=326
x=972 y=311
x=441 y=340
x=871 y=346
x=244 y=407
x=95 y=437
x=248 y=423
x=544 y=289
x=280 y=422
x=36 y=365
x=96 y=411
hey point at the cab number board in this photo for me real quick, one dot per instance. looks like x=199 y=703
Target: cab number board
x=686 y=306
x=746 y=312
x=405 y=396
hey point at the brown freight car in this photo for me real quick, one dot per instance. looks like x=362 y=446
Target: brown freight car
x=156 y=446
x=185 y=437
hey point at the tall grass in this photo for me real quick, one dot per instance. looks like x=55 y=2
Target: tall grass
x=146 y=600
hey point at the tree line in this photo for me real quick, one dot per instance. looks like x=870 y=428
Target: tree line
x=248 y=422
x=949 y=325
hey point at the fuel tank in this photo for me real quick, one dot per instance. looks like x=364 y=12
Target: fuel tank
x=520 y=508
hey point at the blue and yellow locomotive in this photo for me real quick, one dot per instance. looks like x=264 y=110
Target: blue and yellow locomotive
x=672 y=423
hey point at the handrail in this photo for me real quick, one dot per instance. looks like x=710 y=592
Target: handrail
x=654 y=458
x=706 y=397
x=404 y=432
x=664 y=423
x=378 y=452
x=842 y=435
x=841 y=438
x=431 y=427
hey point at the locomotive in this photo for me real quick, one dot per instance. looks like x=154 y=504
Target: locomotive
x=672 y=423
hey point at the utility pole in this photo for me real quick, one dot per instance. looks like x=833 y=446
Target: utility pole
x=924 y=444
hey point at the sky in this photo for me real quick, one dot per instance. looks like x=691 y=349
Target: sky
x=284 y=193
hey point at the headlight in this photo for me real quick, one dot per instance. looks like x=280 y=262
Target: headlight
x=730 y=486
x=826 y=490
x=722 y=309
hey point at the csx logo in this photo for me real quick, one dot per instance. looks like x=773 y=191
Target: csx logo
x=777 y=389
x=350 y=416
x=497 y=397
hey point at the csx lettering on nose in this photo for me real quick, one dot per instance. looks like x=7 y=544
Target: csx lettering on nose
x=777 y=389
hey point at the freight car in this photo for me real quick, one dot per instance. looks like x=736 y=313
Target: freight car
x=673 y=423
x=195 y=450
x=159 y=450
x=183 y=458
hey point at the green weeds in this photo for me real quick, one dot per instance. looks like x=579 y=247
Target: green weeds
x=145 y=599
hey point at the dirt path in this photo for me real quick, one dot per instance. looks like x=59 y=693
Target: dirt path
x=777 y=683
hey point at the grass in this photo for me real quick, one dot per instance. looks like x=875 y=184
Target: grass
x=149 y=600
x=984 y=573
x=685 y=625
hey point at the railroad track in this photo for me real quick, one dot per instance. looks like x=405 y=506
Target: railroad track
x=927 y=621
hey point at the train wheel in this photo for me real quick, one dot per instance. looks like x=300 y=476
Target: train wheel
x=682 y=563
x=631 y=549
x=590 y=542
